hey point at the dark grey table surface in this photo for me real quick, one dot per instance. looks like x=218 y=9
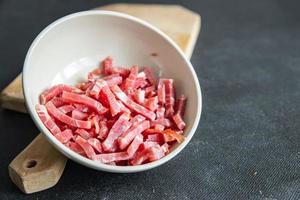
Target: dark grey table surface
x=247 y=142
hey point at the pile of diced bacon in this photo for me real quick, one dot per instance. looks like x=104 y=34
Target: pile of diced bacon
x=120 y=116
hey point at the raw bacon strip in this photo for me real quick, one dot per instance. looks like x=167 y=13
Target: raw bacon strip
x=103 y=130
x=83 y=133
x=140 y=83
x=155 y=138
x=46 y=119
x=113 y=79
x=161 y=93
x=178 y=121
x=180 y=105
x=95 y=121
x=139 y=96
x=113 y=104
x=55 y=91
x=57 y=114
x=160 y=112
x=76 y=147
x=150 y=76
x=82 y=108
x=133 y=147
x=149 y=90
x=130 y=81
x=65 y=136
x=82 y=99
x=58 y=101
x=163 y=121
x=131 y=104
x=111 y=157
x=125 y=139
x=170 y=99
x=137 y=119
x=77 y=114
x=88 y=149
x=124 y=109
x=95 y=143
x=152 y=103
x=155 y=153
x=66 y=108
x=146 y=145
x=84 y=86
x=107 y=65
x=120 y=126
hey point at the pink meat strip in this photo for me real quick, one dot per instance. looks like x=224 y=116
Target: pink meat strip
x=146 y=145
x=113 y=79
x=111 y=157
x=137 y=119
x=66 y=108
x=77 y=114
x=82 y=99
x=103 y=130
x=57 y=114
x=120 y=126
x=152 y=153
x=76 y=147
x=131 y=104
x=88 y=149
x=150 y=76
x=155 y=138
x=133 y=147
x=139 y=96
x=95 y=121
x=113 y=104
x=125 y=139
x=83 y=133
x=160 y=112
x=163 y=121
x=170 y=96
x=178 y=121
x=65 y=136
x=58 y=101
x=46 y=119
x=152 y=103
x=180 y=105
x=130 y=81
x=124 y=109
x=161 y=93
x=96 y=144
x=55 y=91
x=107 y=65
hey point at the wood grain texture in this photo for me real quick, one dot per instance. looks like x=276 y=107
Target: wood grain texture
x=38 y=167
x=180 y=24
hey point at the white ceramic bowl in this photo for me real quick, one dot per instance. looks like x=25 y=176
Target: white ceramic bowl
x=71 y=46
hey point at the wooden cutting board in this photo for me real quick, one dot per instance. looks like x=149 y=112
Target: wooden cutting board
x=39 y=166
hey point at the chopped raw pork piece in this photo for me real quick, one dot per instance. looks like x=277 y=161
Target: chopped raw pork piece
x=150 y=76
x=131 y=104
x=55 y=91
x=119 y=116
x=120 y=126
x=128 y=136
x=137 y=119
x=65 y=118
x=111 y=157
x=88 y=101
x=47 y=120
x=64 y=136
x=88 y=149
x=96 y=144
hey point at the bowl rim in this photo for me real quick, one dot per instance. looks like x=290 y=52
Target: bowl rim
x=77 y=157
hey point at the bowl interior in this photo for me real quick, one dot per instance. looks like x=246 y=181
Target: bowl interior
x=74 y=45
